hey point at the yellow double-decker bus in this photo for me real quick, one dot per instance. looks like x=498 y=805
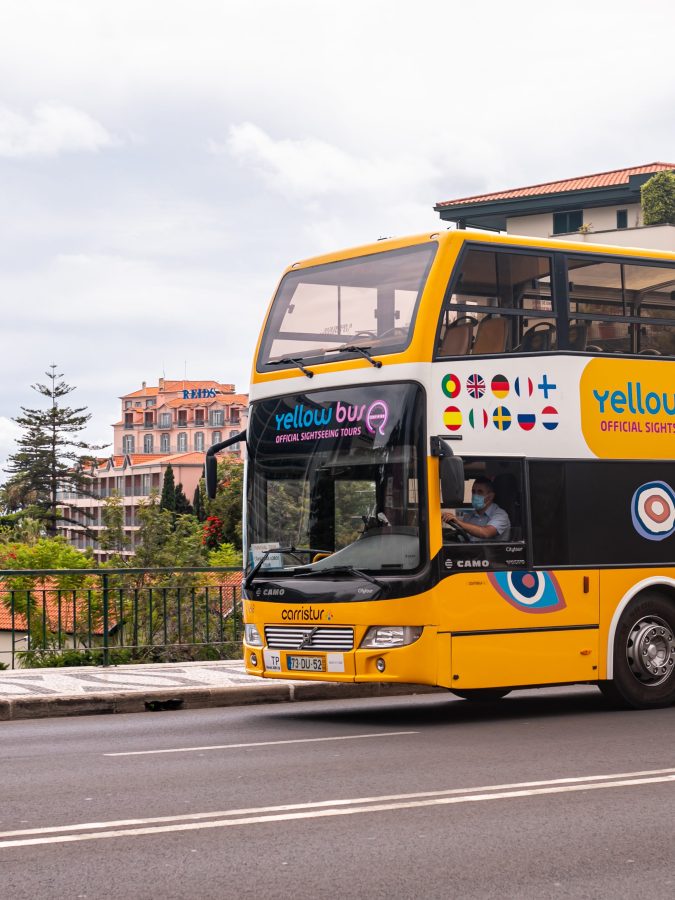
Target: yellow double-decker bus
x=461 y=470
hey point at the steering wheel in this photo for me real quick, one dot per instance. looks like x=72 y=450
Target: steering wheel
x=366 y=334
x=459 y=533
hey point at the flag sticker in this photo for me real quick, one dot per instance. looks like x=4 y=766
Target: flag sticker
x=523 y=387
x=451 y=386
x=500 y=386
x=549 y=418
x=501 y=418
x=452 y=418
x=527 y=421
x=475 y=386
x=478 y=418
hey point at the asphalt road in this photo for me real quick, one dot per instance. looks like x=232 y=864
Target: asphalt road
x=544 y=794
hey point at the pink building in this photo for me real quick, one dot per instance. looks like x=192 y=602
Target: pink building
x=180 y=417
x=173 y=423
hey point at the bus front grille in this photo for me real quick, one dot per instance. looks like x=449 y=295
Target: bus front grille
x=289 y=637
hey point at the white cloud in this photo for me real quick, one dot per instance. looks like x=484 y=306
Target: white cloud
x=50 y=131
x=9 y=431
x=310 y=167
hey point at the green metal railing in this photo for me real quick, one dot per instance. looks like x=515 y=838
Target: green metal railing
x=108 y=616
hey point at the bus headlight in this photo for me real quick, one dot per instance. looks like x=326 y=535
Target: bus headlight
x=252 y=636
x=379 y=636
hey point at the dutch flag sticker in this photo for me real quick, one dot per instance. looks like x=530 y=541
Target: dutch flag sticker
x=549 y=418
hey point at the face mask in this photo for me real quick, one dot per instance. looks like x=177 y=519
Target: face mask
x=477 y=501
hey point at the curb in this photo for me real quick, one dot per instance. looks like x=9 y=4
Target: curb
x=110 y=702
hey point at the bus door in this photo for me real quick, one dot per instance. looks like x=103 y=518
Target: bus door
x=512 y=620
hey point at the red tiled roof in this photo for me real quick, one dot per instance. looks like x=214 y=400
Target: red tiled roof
x=587 y=182
x=51 y=612
x=182 y=385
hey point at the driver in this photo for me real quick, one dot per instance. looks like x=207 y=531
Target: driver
x=486 y=521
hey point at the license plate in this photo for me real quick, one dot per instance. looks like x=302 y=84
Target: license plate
x=305 y=664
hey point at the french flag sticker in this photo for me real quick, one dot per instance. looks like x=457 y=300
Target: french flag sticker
x=523 y=387
x=549 y=418
x=527 y=421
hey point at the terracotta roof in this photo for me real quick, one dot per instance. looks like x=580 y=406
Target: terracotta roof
x=51 y=609
x=182 y=385
x=587 y=182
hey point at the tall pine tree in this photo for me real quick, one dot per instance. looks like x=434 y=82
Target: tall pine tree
x=51 y=456
x=182 y=503
x=168 y=498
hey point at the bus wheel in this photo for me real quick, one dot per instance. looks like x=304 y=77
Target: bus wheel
x=644 y=655
x=483 y=695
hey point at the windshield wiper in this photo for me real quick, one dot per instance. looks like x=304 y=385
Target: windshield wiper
x=343 y=570
x=291 y=551
x=293 y=360
x=363 y=351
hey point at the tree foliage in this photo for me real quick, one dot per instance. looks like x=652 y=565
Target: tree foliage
x=168 y=498
x=113 y=537
x=227 y=505
x=50 y=454
x=658 y=199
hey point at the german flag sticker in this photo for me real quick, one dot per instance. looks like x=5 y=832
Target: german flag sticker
x=452 y=418
x=451 y=386
x=500 y=386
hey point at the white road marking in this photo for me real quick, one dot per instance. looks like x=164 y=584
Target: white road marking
x=344 y=807
x=343 y=737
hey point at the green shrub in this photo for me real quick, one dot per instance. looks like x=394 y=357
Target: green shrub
x=658 y=199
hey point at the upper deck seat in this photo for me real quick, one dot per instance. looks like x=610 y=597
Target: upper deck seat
x=458 y=337
x=539 y=338
x=492 y=335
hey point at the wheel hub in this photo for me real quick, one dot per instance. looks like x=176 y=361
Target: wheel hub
x=650 y=650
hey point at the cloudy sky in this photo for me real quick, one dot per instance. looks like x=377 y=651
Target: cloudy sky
x=161 y=162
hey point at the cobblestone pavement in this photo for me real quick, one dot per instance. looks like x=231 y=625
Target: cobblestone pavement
x=87 y=680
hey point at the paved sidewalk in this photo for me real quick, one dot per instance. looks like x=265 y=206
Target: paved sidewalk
x=36 y=693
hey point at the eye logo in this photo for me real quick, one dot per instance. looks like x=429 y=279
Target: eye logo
x=531 y=592
x=653 y=510
x=377 y=416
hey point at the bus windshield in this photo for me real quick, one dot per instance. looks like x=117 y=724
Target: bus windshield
x=321 y=311
x=336 y=475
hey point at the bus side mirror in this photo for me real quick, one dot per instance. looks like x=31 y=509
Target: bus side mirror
x=451 y=470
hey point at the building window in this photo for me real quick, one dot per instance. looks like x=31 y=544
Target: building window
x=145 y=485
x=216 y=437
x=165 y=443
x=234 y=447
x=567 y=222
x=622 y=218
x=147 y=443
x=128 y=443
x=150 y=402
x=182 y=418
x=128 y=420
x=217 y=417
x=127 y=404
x=181 y=445
x=199 y=441
x=165 y=420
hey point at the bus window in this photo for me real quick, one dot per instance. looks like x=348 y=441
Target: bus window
x=369 y=301
x=493 y=499
x=506 y=298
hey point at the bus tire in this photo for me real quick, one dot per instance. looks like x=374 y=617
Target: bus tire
x=644 y=655
x=483 y=695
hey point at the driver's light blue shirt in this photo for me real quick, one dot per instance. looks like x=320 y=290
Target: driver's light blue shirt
x=494 y=515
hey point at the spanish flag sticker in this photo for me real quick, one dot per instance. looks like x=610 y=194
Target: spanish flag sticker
x=452 y=418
